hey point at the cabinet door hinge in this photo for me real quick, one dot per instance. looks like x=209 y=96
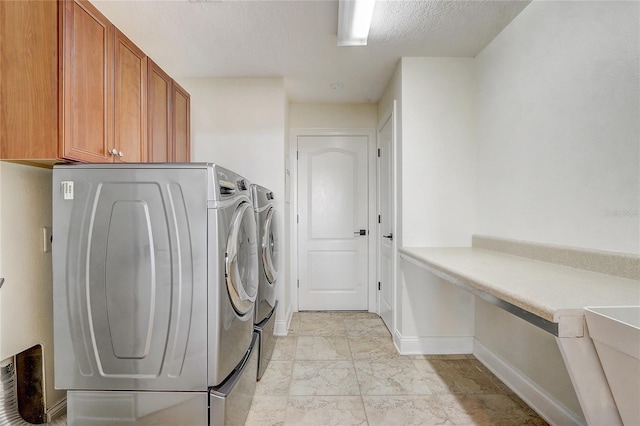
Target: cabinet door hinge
x=379 y=151
x=378 y=285
x=297 y=155
x=297 y=218
x=379 y=219
x=298 y=283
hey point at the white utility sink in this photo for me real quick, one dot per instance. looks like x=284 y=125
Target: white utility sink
x=615 y=331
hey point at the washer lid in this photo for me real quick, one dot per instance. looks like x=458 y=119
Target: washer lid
x=241 y=261
x=269 y=245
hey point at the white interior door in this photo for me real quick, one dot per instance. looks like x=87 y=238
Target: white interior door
x=385 y=227
x=332 y=209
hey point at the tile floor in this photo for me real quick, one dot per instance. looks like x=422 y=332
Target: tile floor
x=340 y=368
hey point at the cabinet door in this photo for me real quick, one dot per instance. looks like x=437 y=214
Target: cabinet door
x=181 y=124
x=87 y=45
x=130 y=101
x=159 y=114
x=28 y=80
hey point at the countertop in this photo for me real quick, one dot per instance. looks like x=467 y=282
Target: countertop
x=547 y=290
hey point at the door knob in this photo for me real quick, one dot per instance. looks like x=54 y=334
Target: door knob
x=390 y=236
x=360 y=232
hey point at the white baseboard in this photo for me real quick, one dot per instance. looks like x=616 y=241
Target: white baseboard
x=57 y=410
x=281 y=326
x=433 y=345
x=544 y=404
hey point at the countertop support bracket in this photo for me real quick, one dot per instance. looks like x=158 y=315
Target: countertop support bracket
x=588 y=379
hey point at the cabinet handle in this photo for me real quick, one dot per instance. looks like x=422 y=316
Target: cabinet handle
x=113 y=152
x=120 y=154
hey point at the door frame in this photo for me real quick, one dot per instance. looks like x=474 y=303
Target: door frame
x=372 y=144
x=389 y=115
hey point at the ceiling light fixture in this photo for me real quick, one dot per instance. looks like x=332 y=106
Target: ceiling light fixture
x=354 y=21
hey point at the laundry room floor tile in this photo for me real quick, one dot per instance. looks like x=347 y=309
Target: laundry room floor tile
x=462 y=376
x=403 y=410
x=493 y=409
x=276 y=379
x=365 y=327
x=324 y=378
x=316 y=325
x=342 y=368
x=325 y=410
x=390 y=377
x=285 y=349
x=353 y=315
x=267 y=411
x=373 y=347
x=322 y=348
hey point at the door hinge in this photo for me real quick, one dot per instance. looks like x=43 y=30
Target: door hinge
x=297 y=155
x=379 y=150
x=297 y=218
x=378 y=285
x=379 y=219
x=298 y=283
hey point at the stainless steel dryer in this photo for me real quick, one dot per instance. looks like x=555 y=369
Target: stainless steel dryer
x=268 y=273
x=155 y=275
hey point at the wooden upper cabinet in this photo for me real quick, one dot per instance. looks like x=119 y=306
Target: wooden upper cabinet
x=159 y=114
x=28 y=80
x=87 y=55
x=73 y=87
x=181 y=124
x=130 y=101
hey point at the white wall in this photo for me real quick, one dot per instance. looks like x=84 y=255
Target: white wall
x=559 y=126
x=558 y=141
x=435 y=191
x=436 y=316
x=26 y=308
x=240 y=124
x=438 y=151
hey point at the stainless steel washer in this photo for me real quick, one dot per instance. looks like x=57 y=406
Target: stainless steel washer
x=155 y=278
x=268 y=251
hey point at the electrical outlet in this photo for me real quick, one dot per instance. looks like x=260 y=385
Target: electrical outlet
x=46 y=239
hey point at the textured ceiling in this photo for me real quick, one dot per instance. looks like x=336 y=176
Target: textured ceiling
x=296 y=40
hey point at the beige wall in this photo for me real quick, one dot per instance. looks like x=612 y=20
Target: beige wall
x=26 y=300
x=333 y=116
x=391 y=93
x=241 y=124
